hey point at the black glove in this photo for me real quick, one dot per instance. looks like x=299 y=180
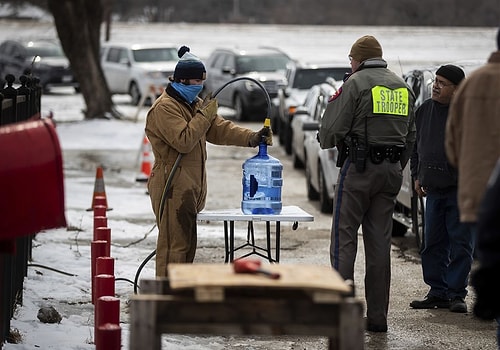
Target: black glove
x=258 y=135
x=209 y=108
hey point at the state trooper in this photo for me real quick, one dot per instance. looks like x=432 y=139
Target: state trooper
x=371 y=122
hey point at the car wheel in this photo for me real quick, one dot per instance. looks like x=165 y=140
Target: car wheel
x=239 y=109
x=297 y=163
x=275 y=125
x=134 y=92
x=288 y=139
x=418 y=220
x=312 y=194
x=325 y=202
x=398 y=229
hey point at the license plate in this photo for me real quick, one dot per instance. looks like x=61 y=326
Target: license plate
x=67 y=78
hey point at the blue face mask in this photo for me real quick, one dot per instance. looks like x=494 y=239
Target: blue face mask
x=188 y=92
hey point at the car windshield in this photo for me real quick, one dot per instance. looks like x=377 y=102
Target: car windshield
x=269 y=63
x=305 y=78
x=155 y=54
x=45 y=51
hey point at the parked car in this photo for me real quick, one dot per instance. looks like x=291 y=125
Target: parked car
x=299 y=79
x=320 y=164
x=138 y=69
x=44 y=59
x=308 y=111
x=264 y=65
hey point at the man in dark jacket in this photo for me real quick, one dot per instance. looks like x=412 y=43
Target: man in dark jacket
x=373 y=116
x=448 y=244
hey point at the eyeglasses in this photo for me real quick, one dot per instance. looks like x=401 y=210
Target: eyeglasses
x=441 y=84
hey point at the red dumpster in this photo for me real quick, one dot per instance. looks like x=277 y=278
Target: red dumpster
x=31 y=179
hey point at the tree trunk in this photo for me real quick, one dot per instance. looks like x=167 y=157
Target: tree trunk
x=78 y=24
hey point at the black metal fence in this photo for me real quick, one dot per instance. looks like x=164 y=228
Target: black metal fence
x=20 y=103
x=17 y=104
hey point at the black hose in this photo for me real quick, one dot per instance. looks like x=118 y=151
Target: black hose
x=268 y=99
x=176 y=164
x=52 y=269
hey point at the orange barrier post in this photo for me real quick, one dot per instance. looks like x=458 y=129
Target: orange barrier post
x=146 y=160
x=104 y=285
x=99 y=190
x=105 y=265
x=99 y=221
x=99 y=210
x=107 y=311
x=97 y=249
x=104 y=234
x=108 y=337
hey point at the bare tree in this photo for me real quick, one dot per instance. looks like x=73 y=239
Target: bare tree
x=78 y=25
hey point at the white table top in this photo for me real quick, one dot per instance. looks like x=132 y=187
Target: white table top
x=288 y=213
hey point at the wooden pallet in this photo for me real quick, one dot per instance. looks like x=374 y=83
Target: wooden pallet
x=212 y=299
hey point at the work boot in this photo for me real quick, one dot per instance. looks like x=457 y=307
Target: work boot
x=373 y=327
x=430 y=302
x=458 y=304
x=379 y=328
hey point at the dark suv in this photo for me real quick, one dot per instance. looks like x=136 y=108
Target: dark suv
x=266 y=65
x=45 y=59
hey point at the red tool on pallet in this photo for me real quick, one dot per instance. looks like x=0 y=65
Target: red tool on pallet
x=253 y=266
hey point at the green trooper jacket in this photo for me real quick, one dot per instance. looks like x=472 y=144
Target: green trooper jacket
x=375 y=106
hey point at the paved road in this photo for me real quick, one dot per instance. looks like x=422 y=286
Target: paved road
x=309 y=244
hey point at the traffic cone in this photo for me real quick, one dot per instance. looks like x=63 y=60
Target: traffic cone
x=99 y=196
x=146 y=160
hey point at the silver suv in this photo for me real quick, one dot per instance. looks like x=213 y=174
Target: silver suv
x=265 y=65
x=137 y=69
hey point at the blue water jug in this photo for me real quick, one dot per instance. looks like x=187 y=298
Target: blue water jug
x=262 y=182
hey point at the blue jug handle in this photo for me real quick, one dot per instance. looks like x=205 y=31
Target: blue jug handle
x=254 y=185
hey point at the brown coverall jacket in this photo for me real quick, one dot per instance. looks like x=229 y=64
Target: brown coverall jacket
x=174 y=127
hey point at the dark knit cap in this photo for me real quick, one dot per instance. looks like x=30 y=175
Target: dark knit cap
x=366 y=47
x=189 y=66
x=452 y=73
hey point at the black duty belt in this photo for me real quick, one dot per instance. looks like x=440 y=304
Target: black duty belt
x=391 y=153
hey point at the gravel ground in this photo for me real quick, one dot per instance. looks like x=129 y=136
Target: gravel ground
x=309 y=244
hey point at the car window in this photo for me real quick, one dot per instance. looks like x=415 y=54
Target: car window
x=5 y=48
x=44 y=51
x=15 y=51
x=155 y=54
x=268 y=63
x=113 y=55
x=306 y=78
x=217 y=61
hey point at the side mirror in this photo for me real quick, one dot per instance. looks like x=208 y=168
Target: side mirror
x=310 y=126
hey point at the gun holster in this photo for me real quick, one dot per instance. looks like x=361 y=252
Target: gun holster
x=358 y=155
x=343 y=150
